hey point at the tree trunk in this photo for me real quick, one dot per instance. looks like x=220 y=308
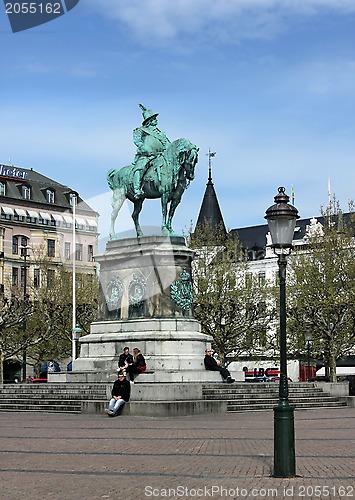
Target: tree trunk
x=332 y=368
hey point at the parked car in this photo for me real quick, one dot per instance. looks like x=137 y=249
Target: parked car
x=277 y=379
x=36 y=380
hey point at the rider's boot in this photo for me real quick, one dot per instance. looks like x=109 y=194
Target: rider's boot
x=137 y=190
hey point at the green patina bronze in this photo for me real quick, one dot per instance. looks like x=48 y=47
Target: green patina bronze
x=181 y=292
x=160 y=169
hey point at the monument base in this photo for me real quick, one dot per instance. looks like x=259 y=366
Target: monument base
x=174 y=349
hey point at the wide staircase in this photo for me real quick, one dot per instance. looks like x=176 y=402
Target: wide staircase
x=93 y=397
x=264 y=396
x=53 y=398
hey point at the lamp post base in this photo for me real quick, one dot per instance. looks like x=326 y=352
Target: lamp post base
x=284 y=440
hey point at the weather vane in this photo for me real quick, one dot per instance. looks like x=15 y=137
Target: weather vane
x=210 y=155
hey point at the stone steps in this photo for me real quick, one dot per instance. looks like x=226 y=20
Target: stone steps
x=53 y=398
x=160 y=399
x=52 y=406
x=264 y=396
x=309 y=405
x=261 y=395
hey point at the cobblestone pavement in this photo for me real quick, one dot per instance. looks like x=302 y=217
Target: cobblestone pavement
x=63 y=456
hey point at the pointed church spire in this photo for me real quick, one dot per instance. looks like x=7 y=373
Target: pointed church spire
x=210 y=211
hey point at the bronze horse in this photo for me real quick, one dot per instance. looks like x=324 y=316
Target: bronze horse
x=166 y=178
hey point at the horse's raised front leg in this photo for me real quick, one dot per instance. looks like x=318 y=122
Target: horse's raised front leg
x=118 y=197
x=135 y=216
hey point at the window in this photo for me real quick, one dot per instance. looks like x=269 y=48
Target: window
x=26 y=192
x=19 y=215
x=67 y=221
x=78 y=251
x=36 y=278
x=50 y=278
x=15 y=245
x=24 y=241
x=67 y=250
x=2 y=189
x=6 y=213
x=56 y=220
x=50 y=195
x=261 y=278
x=90 y=253
x=15 y=276
x=44 y=218
x=51 y=248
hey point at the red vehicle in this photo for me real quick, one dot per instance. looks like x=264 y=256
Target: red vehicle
x=36 y=380
x=277 y=379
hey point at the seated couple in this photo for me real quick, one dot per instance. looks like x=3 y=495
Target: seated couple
x=214 y=365
x=132 y=364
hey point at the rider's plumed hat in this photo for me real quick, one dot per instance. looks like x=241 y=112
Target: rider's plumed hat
x=147 y=114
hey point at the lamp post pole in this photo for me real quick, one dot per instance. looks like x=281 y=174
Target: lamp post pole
x=77 y=331
x=308 y=338
x=24 y=325
x=281 y=219
x=284 y=429
x=74 y=341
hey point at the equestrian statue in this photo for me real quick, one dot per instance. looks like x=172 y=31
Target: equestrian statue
x=160 y=169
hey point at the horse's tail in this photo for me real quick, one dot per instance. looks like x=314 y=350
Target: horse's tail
x=113 y=179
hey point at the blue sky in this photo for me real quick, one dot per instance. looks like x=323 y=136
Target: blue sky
x=267 y=84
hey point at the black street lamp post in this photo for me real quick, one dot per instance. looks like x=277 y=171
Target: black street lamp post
x=308 y=338
x=281 y=219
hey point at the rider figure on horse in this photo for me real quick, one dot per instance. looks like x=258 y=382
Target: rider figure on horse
x=151 y=143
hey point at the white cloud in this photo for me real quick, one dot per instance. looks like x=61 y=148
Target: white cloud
x=157 y=21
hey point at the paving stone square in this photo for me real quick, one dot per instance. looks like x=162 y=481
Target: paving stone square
x=60 y=456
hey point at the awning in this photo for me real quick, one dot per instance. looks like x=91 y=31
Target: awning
x=45 y=215
x=91 y=222
x=21 y=212
x=7 y=210
x=79 y=221
x=57 y=217
x=68 y=219
x=33 y=214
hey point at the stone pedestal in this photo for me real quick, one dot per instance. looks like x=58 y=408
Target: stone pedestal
x=146 y=302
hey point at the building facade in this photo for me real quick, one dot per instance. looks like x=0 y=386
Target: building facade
x=36 y=218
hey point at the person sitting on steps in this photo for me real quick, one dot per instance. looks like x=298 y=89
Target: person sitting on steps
x=125 y=358
x=214 y=365
x=121 y=392
x=138 y=365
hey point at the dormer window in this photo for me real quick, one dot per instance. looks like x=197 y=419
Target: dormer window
x=50 y=195
x=2 y=189
x=26 y=192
